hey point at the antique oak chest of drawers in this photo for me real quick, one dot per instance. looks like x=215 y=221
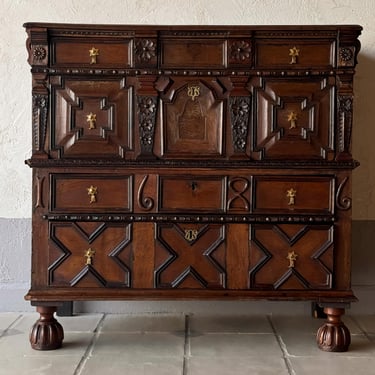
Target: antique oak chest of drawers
x=191 y=162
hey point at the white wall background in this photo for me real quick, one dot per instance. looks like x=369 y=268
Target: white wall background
x=15 y=90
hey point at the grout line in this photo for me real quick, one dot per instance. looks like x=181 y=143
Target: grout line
x=186 y=345
x=11 y=325
x=363 y=331
x=282 y=345
x=90 y=347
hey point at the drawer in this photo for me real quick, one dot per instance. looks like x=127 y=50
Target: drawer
x=190 y=256
x=90 y=254
x=294 y=54
x=195 y=193
x=91 y=193
x=91 y=53
x=290 y=256
x=207 y=53
x=290 y=194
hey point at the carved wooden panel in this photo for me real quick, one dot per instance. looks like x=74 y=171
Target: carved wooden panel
x=287 y=256
x=294 y=118
x=90 y=254
x=91 y=117
x=190 y=256
x=192 y=117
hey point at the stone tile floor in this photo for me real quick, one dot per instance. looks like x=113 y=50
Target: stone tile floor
x=161 y=344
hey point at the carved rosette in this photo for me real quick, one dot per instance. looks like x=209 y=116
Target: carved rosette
x=347 y=56
x=40 y=112
x=147 y=118
x=240 y=112
x=345 y=116
x=145 y=50
x=240 y=51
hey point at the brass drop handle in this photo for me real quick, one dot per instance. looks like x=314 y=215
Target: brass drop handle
x=89 y=255
x=191 y=234
x=91 y=119
x=92 y=191
x=292 y=257
x=293 y=53
x=94 y=52
x=292 y=118
x=291 y=195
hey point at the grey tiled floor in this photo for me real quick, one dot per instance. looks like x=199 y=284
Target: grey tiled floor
x=159 y=344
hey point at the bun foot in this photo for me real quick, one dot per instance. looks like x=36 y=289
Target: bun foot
x=47 y=333
x=333 y=336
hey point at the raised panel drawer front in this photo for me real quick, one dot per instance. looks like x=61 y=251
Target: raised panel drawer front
x=288 y=194
x=295 y=54
x=90 y=254
x=91 y=193
x=92 y=53
x=190 y=256
x=287 y=256
x=92 y=117
x=192 y=193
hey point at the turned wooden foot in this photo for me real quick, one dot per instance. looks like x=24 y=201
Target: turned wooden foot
x=333 y=335
x=47 y=333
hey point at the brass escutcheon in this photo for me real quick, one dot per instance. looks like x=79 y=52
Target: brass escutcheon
x=89 y=255
x=293 y=52
x=91 y=119
x=94 y=52
x=292 y=257
x=91 y=192
x=193 y=91
x=191 y=234
x=291 y=194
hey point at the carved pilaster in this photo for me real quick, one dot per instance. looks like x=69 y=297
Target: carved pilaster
x=147 y=107
x=39 y=119
x=239 y=113
x=345 y=119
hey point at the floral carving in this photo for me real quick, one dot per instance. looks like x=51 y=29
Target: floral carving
x=240 y=111
x=145 y=50
x=147 y=118
x=346 y=56
x=40 y=111
x=240 y=50
x=39 y=53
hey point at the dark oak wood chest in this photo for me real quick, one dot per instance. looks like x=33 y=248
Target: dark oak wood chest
x=191 y=162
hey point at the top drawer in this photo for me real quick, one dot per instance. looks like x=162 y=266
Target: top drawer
x=294 y=53
x=84 y=53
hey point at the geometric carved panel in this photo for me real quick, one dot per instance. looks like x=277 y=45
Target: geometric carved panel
x=290 y=256
x=294 y=118
x=90 y=254
x=91 y=118
x=192 y=117
x=190 y=256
